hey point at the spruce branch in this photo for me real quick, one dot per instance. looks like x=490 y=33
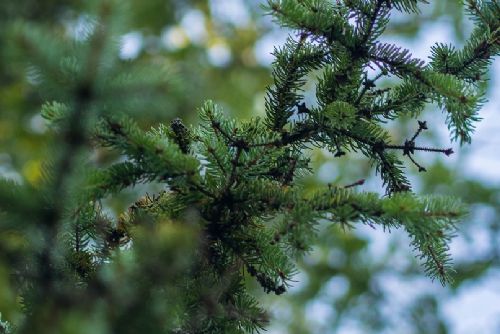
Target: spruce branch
x=287 y=74
x=375 y=22
x=231 y=204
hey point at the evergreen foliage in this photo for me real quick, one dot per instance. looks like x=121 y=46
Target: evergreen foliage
x=232 y=206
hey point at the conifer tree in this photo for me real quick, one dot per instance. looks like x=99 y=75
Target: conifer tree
x=231 y=207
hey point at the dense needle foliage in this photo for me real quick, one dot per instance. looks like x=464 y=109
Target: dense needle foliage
x=231 y=206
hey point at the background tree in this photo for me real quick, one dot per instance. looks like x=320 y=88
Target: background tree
x=53 y=109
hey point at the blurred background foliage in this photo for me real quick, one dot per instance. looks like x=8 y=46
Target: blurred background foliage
x=355 y=281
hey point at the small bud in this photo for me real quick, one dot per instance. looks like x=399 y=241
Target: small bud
x=422 y=125
x=302 y=109
x=280 y=290
x=409 y=147
x=181 y=134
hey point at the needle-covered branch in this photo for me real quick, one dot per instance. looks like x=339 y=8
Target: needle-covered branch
x=227 y=203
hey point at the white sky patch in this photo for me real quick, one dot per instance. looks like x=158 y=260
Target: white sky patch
x=131 y=45
x=430 y=34
x=193 y=23
x=379 y=239
x=10 y=174
x=233 y=11
x=400 y=294
x=350 y=327
x=7 y=171
x=300 y=280
x=265 y=46
x=328 y=172
x=219 y=54
x=319 y=312
x=37 y=124
x=336 y=287
x=403 y=291
x=483 y=161
x=476 y=307
x=174 y=38
x=80 y=28
x=473 y=243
